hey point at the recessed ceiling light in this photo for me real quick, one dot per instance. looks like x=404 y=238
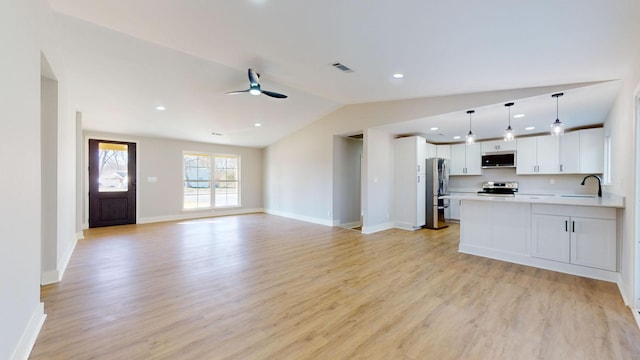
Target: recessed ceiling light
x=529 y=128
x=456 y=137
x=161 y=108
x=257 y=124
x=518 y=116
x=398 y=76
x=434 y=129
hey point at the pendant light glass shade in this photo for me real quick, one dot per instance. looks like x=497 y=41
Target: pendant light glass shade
x=557 y=128
x=471 y=138
x=509 y=134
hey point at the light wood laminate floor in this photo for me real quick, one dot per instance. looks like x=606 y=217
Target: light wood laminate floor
x=265 y=287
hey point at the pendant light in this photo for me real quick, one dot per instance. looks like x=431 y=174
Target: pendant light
x=470 y=137
x=509 y=135
x=557 y=128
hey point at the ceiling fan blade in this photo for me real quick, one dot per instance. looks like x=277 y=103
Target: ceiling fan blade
x=237 y=92
x=274 y=94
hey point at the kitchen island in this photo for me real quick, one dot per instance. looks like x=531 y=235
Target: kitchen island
x=574 y=234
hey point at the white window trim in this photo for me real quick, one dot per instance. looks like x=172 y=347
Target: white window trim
x=213 y=197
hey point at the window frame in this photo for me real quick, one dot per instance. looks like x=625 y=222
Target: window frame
x=238 y=181
x=184 y=180
x=212 y=179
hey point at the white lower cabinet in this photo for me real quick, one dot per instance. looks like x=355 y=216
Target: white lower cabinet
x=498 y=226
x=576 y=235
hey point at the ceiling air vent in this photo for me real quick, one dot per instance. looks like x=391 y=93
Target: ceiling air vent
x=341 y=67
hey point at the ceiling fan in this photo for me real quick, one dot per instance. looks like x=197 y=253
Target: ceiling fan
x=254 y=87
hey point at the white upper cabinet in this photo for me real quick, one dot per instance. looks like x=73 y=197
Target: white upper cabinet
x=466 y=159
x=582 y=152
x=592 y=151
x=443 y=151
x=538 y=155
x=570 y=153
x=497 y=146
x=432 y=151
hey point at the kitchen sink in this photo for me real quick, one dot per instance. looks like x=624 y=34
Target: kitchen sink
x=579 y=196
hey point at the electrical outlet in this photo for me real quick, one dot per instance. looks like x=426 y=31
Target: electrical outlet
x=552 y=181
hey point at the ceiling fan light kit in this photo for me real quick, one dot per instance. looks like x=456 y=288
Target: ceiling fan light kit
x=255 y=89
x=557 y=128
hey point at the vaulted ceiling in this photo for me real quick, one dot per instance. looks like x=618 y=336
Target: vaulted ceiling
x=124 y=57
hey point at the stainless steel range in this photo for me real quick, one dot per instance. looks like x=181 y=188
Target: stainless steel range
x=494 y=188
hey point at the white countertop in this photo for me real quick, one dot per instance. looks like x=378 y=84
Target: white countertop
x=607 y=200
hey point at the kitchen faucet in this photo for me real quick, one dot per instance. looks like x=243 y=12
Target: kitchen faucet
x=599 y=183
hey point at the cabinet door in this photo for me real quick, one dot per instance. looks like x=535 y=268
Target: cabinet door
x=443 y=151
x=432 y=151
x=592 y=151
x=497 y=146
x=421 y=154
x=476 y=229
x=593 y=243
x=473 y=159
x=570 y=153
x=550 y=237
x=454 y=209
x=511 y=227
x=421 y=201
x=405 y=177
x=548 y=154
x=526 y=162
x=457 y=162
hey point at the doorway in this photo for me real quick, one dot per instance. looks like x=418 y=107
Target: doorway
x=112 y=183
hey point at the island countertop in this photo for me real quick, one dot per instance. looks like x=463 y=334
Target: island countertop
x=608 y=200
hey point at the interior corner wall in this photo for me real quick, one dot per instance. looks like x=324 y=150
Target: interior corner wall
x=377 y=180
x=347 y=154
x=160 y=171
x=49 y=180
x=621 y=126
x=20 y=307
x=299 y=175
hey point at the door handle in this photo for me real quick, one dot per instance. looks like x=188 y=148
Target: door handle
x=573 y=226
x=566 y=226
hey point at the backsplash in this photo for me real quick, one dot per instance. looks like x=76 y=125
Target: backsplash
x=528 y=184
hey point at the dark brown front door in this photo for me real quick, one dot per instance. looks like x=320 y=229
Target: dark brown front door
x=112 y=183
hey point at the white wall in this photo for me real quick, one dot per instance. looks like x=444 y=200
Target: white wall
x=347 y=154
x=27 y=32
x=378 y=181
x=162 y=159
x=622 y=127
x=49 y=170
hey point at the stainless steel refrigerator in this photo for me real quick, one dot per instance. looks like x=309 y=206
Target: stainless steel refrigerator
x=437 y=182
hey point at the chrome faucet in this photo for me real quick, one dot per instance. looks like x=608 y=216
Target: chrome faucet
x=599 y=183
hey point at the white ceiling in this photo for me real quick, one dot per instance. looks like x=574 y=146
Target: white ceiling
x=186 y=54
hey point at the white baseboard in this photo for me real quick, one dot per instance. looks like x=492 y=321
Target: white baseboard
x=197 y=215
x=350 y=225
x=49 y=277
x=54 y=276
x=636 y=315
x=628 y=301
x=375 y=228
x=80 y=235
x=592 y=273
x=405 y=226
x=320 y=221
x=30 y=334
